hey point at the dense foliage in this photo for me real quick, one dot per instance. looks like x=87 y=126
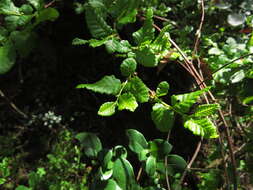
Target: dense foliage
x=163 y=97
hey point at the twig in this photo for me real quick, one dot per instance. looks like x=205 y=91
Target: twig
x=161 y=18
x=191 y=162
x=201 y=86
x=13 y=105
x=198 y=32
x=49 y=4
x=139 y=174
x=223 y=66
x=166 y=166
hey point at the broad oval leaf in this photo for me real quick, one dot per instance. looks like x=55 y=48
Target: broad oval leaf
x=150 y=166
x=90 y=142
x=236 y=19
x=162 y=117
x=162 y=89
x=128 y=67
x=202 y=127
x=107 y=109
x=123 y=174
x=147 y=57
x=7 y=57
x=114 y=45
x=147 y=32
x=183 y=102
x=137 y=141
x=177 y=162
x=206 y=110
x=50 y=14
x=127 y=101
x=159 y=148
x=136 y=87
x=107 y=85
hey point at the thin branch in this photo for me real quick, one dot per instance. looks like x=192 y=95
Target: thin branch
x=13 y=105
x=161 y=18
x=198 y=32
x=49 y=4
x=191 y=161
x=223 y=66
x=166 y=166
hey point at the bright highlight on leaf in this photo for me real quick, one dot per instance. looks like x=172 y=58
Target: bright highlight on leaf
x=202 y=127
x=183 y=102
x=107 y=109
x=206 y=110
x=107 y=85
x=162 y=89
x=127 y=101
x=138 y=89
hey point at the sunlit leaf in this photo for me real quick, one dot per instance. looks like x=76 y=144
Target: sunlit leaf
x=107 y=85
x=162 y=89
x=236 y=19
x=202 y=127
x=206 y=110
x=127 y=101
x=136 y=87
x=107 y=109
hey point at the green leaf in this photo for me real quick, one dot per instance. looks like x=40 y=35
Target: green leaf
x=24 y=42
x=147 y=32
x=127 y=101
x=22 y=187
x=150 y=166
x=206 y=110
x=36 y=3
x=112 y=185
x=146 y=56
x=129 y=12
x=107 y=109
x=50 y=14
x=183 y=102
x=138 y=89
x=248 y=100
x=137 y=141
x=90 y=143
x=177 y=162
x=123 y=173
x=159 y=148
x=26 y=9
x=13 y=22
x=237 y=77
x=114 y=45
x=7 y=58
x=162 y=117
x=162 y=89
x=128 y=67
x=7 y=7
x=105 y=185
x=202 y=127
x=97 y=24
x=107 y=85
x=92 y=42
